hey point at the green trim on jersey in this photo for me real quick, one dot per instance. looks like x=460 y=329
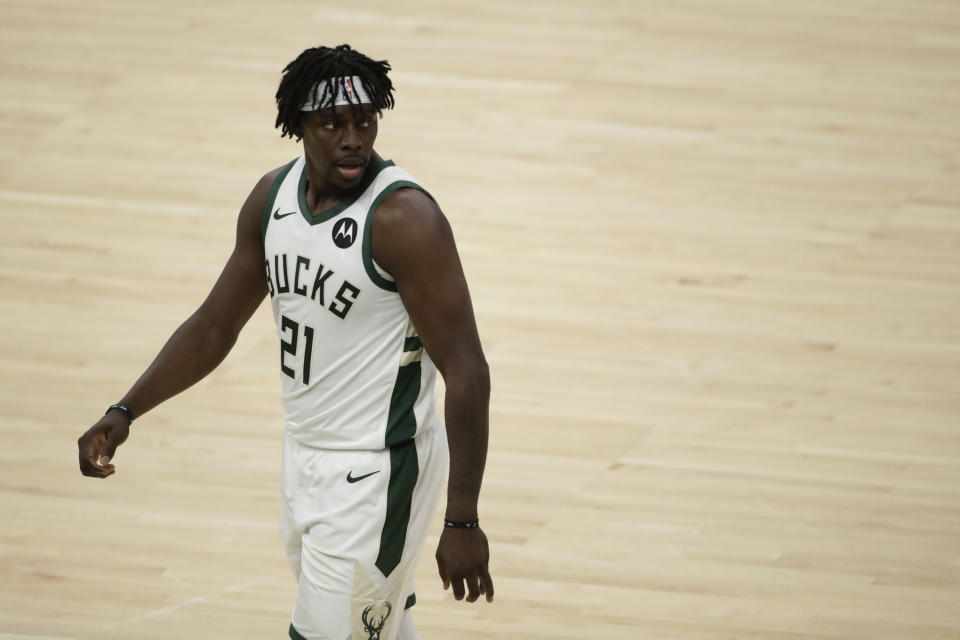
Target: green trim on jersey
x=401 y=421
x=294 y=634
x=404 y=471
x=378 y=279
x=272 y=196
x=340 y=207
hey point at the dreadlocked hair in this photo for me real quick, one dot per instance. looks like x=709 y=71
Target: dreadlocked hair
x=301 y=81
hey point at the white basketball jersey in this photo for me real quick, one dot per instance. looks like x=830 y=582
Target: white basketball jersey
x=355 y=375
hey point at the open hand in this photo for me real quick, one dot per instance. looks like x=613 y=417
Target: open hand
x=463 y=556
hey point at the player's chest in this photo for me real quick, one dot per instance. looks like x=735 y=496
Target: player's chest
x=319 y=266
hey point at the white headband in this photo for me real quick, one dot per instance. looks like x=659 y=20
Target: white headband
x=348 y=90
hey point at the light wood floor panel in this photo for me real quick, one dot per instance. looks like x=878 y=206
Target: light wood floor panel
x=714 y=249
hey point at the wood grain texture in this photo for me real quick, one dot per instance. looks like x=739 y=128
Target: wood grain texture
x=714 y=249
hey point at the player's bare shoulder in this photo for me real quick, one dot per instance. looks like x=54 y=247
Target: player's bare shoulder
x=250 y=220
x=408 y=206
x=263 y=186
x=408 y=220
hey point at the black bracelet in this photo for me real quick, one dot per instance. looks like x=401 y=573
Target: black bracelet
x=457 y=524
x=121 y=407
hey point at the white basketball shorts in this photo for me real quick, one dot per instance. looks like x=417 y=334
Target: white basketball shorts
x=354 y=524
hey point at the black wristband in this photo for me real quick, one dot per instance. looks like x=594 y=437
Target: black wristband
x=458 y=524
x=121 y=407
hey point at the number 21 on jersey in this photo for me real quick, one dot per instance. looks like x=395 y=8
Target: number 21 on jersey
x=289 y=345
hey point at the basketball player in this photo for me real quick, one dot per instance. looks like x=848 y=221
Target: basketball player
x=370 y=302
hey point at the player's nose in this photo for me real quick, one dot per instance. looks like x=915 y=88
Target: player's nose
x=351 y=140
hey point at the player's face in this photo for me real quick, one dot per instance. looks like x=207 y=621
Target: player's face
x=338 y=143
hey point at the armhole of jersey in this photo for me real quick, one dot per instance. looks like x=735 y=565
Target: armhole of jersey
x=272 y=196
x=375 y=271
x=383 y=272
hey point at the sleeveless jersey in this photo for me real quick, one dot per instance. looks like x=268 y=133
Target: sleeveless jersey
x=354 y=372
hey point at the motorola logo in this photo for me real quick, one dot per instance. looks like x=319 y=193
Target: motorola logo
x=345 y=232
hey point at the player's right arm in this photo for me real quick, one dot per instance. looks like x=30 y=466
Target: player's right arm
x=198 y=345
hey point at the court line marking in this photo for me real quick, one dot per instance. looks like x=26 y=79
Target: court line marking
x=180 y=605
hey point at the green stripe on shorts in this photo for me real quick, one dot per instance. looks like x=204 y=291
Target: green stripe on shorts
x=404 y=470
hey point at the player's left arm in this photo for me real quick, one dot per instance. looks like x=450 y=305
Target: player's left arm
x=412 y=240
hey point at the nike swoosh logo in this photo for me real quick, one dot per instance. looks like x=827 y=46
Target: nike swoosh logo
x=277 y=215
x=352 y=479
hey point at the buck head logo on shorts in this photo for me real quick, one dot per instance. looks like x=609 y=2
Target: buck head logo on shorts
x=345 y=232
x=374 y=616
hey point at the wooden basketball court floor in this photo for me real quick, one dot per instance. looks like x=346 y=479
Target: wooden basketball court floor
x=714 y=249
